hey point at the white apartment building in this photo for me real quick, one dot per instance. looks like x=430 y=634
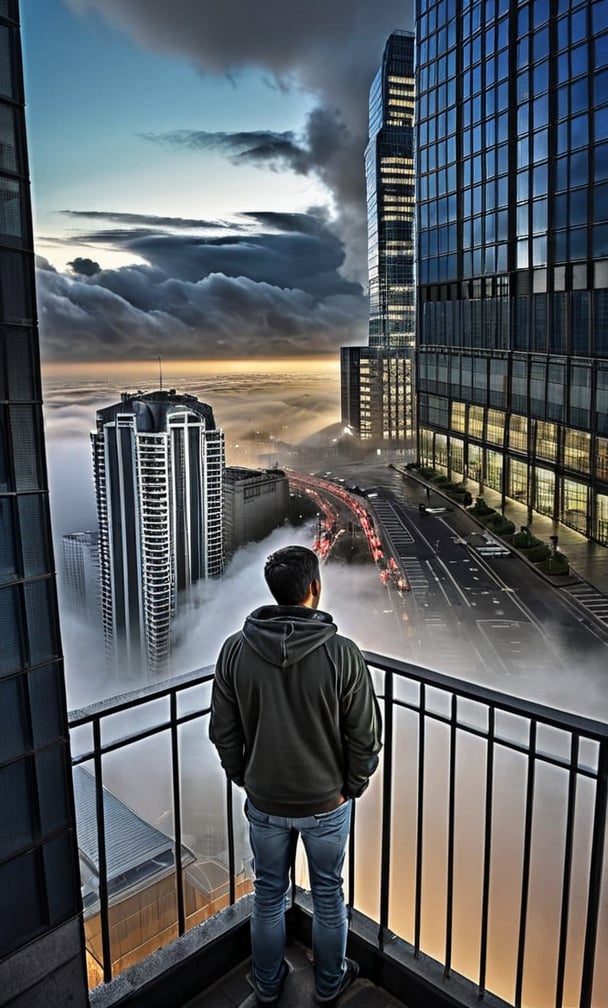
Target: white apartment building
x=158 y=461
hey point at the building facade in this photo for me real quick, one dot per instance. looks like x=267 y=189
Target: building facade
x=255 y=502
x=41 y=938
x=158 y=461
x=377 y=380
x=512 y=202
x=81 y=583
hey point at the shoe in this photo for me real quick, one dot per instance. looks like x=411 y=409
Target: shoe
x=270 y=999
x=348 y=978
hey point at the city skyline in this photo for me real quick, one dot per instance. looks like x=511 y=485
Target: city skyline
x=499 y=876
x=207 y=188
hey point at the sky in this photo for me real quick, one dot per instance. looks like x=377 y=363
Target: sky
x=197 y=174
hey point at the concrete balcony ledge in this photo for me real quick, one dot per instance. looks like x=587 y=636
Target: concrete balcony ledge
x=172 y=976
x=208 y=967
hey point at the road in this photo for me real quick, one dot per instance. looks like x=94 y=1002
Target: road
x=474 y=613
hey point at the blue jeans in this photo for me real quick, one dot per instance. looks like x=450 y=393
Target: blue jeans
x=273 y=842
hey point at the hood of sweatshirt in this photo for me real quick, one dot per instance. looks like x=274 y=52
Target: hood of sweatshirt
x=283 y=635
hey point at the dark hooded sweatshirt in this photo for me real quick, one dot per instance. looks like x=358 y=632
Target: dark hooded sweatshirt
x=294 y=715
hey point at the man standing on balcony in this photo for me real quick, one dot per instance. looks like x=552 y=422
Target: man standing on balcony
x=296 y=723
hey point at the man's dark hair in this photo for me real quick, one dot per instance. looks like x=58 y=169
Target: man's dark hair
x=289 y=573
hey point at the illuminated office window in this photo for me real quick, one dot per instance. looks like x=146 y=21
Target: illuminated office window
x=601 y=458
x=576 y=450
x=545 y=490
x=574 y=505
x=546 y=440
x=518 y=433
x=494 y=464
x=457 y=457
x=476 y=421
x=495 y=432
x=458 y=416
x=600 y=530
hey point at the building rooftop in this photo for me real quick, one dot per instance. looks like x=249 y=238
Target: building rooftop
x=153 y=408
x=138 y=849
x=235 y=474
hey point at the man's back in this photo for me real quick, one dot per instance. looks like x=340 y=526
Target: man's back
x=296 y=722
x=309 y=718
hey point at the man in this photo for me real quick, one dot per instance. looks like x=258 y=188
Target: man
x=295 y=721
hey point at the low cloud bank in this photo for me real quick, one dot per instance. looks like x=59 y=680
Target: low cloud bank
x=270 y=287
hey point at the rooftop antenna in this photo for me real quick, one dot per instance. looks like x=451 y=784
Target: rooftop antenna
x=160 y=371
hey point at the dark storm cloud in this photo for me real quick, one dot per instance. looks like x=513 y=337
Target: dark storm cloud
x=149 y=220
x=331 y=50
x=306 y=256
x=276 y=150
x=272 y=287
x=327 y=149
x=85 y=267
x=267 y=283
x=138 y=312
x=310 y=223
x=324 y=149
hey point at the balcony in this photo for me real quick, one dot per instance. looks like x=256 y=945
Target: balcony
x=476 y=867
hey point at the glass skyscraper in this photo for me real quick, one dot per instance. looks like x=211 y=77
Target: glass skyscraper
x=377 y=382
x=512 y=201
x=41 y=940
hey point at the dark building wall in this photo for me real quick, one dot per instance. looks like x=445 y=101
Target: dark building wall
x=255 y=503
x=350 y=386
x=512 y=200
x=41 y=942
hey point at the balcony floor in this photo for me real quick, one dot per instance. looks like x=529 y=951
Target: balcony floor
x=233 y=991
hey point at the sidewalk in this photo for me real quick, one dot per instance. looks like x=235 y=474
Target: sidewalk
x=587 y=559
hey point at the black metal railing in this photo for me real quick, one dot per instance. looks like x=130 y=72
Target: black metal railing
x=94 y=717
x=577 y=845
x=478 y=792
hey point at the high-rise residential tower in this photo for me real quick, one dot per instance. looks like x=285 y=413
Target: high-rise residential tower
x=512 y=202
x=158 y=461
x=41 y=939
x=81 y=587
x=377 y=380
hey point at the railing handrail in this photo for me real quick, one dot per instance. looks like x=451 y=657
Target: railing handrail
x=136 y=698
x=596 y=730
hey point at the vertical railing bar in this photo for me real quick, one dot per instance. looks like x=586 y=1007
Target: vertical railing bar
x=351 y=862
x=419 y=824
x=387 y=790
x=525 y=875
x=104 y=908
x=177 y=816
x=568 y=847
x=230 y=827
x=487 y=854
x=595 y=876
x=451 y=833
